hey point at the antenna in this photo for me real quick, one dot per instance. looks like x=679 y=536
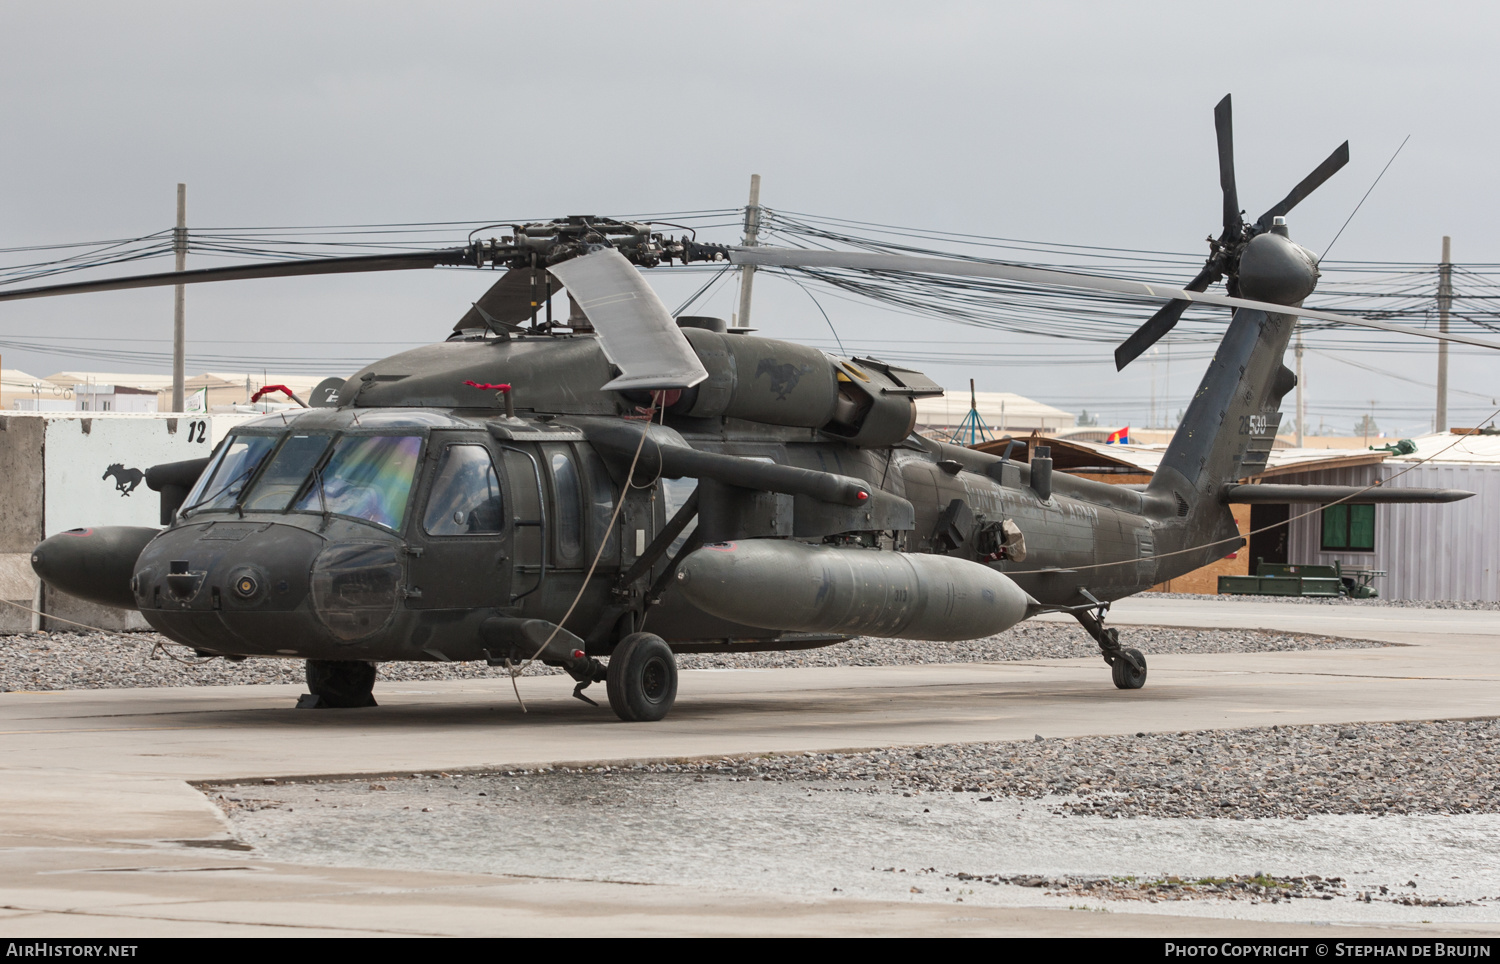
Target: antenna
x=973 y=423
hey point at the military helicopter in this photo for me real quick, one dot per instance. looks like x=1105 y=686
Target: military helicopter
x=620 y=483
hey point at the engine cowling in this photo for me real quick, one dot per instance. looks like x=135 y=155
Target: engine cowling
x=781 y=383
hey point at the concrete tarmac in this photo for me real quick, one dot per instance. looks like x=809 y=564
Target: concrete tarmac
x=102 y=834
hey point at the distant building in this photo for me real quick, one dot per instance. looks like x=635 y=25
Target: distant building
x=24 y=392
x=1004 y=413
x=114 y=398
x=227 y=391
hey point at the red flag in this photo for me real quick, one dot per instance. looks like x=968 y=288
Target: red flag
x=1122 y=436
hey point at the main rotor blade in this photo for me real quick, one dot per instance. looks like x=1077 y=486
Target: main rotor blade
x=508 y=300
x=1224 y=128
x=635 y=329
x=1050 y=277
x=1309 y=184
x=274 y=269
x=1160 y=323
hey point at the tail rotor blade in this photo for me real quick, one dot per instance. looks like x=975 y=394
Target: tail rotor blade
x=1309 y=184
x=1150 y=333
x=1160 y=323
x=1224 y=127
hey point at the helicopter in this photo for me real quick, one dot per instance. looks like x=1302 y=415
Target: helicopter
x=616 y=483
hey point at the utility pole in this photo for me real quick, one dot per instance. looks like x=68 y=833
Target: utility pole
x=1445 y=302
x=752 y=230
x=1154 y=353
x=179 y=324
x=1301 y=389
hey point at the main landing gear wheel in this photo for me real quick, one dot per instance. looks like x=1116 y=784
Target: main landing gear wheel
x=642 y=680
x=1128 y=677
x=340 y=683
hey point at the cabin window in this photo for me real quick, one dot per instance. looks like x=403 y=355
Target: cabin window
x=1349 y=528
x=465 y=497
x=289 y=468
x=221 y=485
x=568 y=494
x=675 y=494
x=601 y=508
x=367 y=477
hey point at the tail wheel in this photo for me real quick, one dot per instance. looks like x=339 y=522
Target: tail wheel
x=341 y=683
x=1128 y=677
x=642 y=680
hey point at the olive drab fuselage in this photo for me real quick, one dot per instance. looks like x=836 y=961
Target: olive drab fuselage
x=393 y=526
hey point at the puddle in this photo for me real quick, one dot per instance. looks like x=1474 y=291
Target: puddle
x=822 y=839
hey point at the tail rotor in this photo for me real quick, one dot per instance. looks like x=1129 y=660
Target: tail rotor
x=1226 y=250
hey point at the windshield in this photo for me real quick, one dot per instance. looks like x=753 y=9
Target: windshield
x=220 y=488
x=364 y=476
x=283 y=478
x=368 y=477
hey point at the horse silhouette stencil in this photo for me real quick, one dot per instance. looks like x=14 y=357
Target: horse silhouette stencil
x=126 y=480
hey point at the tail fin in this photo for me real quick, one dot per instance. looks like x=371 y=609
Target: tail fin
x=1226 y=435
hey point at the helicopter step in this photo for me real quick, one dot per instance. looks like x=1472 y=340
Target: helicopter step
x=512 y=642
x=1127 y=666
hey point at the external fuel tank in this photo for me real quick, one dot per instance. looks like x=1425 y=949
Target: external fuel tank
x=793 y=586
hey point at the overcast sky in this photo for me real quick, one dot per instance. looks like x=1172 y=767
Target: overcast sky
x=1081 y=123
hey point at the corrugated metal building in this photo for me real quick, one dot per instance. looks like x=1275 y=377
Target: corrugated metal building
x=1447 y=551
x=1432 y=552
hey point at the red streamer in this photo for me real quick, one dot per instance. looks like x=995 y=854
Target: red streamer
x=271 y=388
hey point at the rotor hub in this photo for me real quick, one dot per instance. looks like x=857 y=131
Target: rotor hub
x=1273 y=268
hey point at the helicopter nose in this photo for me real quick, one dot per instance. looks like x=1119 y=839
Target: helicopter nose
x=226 y=566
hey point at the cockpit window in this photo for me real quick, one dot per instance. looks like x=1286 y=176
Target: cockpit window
x=283 y=478
x=220 y=487
x=368 y=477
x=465 y=498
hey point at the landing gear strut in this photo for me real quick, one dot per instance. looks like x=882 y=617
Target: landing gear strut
x=338 y=684
x=642 y=680
x=1126 y=666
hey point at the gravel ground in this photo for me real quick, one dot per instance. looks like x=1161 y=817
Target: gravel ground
x=1477 y=605
x=1260 y=888
x=63 y=661
x=1442 y=767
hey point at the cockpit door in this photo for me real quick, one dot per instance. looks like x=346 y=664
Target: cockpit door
x=461 y=540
